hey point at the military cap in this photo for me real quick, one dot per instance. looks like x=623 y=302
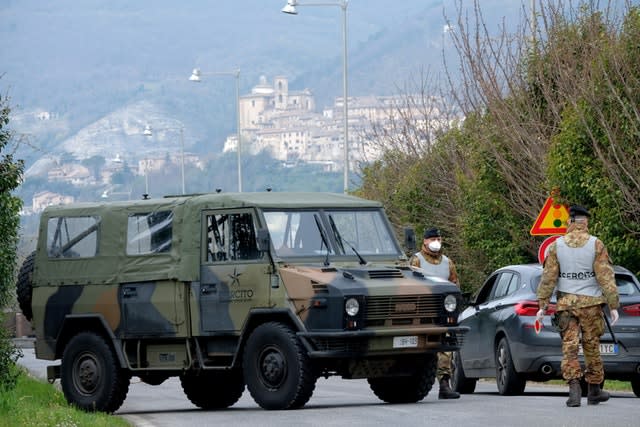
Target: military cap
x=431 y=232
x=577 y=210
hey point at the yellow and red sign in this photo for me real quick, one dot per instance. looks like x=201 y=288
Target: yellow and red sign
x=551 y=220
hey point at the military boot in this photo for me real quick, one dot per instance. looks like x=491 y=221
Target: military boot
x=596 y=395
x=575 y=393
x=445 y=389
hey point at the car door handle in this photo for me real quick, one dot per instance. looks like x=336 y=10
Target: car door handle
x=208 y=289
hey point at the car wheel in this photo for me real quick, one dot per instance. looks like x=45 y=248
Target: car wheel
x=90 y=376
x=459 y=382
x=276 y=368
x=635 y=385
x=213 y=390
x=509 y=382
x=407 y=389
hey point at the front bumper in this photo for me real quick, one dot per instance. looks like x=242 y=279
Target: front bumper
x=380 y=342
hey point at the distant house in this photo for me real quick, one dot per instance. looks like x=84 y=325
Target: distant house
x=46 y=198
x=72 y=173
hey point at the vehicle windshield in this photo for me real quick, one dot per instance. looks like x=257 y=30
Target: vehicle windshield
x=346 y=232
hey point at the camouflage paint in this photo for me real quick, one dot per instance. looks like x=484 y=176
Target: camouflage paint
x=179 y=295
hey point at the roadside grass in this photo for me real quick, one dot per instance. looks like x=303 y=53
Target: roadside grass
x=37 y=403
x=611 y=385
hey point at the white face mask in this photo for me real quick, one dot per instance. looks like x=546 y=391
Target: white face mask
x=435 y=246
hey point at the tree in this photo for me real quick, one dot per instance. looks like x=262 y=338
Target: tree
x=10 y=176
x=553 y=108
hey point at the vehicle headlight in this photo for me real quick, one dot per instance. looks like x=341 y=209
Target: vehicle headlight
x=450 y=303
x=352 y=307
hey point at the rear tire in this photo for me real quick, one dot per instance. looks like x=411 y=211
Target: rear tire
x=509 y=382
x=213 y=390
x=276 y=368
x=407 y=389
x=24 y=286
x=90 y=376
x=459 y=382
x=635 y=385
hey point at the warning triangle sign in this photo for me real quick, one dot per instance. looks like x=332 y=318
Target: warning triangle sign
x=552 y=219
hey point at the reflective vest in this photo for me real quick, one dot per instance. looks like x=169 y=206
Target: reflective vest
x=576 y=268
x=438 y=270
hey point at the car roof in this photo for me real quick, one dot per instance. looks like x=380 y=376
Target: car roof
x=275 y=200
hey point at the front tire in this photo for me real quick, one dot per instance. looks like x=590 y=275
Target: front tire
x=509 y=382
x=407 y=389
x=90 y=376
x=213 y=390
x=276 y=368
x=459 y=382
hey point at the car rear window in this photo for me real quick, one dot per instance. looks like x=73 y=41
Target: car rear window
x=626 y=285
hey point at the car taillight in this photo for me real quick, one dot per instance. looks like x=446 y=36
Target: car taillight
x=632 y=310
x=530 y=308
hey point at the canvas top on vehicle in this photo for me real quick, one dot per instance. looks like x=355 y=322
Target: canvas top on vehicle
x=177 y=261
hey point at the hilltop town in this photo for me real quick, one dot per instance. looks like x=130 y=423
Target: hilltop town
x=273 y=119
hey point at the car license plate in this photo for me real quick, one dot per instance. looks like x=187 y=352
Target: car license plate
x=405 y=342
x=605 y=348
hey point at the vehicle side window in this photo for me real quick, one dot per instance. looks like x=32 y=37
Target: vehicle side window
x=149 y=233
x=72 y=237
x=486 y=290
x=514 y=284
x=231 y=237
x=502 y=285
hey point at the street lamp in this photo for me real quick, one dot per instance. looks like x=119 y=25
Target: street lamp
x=148 y=132
x=195 y=77
x=290 y=8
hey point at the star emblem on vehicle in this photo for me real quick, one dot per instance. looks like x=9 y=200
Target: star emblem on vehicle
x=235 y=278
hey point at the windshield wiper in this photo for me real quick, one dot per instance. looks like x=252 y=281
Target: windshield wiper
x=341 y=241
x=324 y=238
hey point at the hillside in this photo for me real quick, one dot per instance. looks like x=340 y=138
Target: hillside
x=93 y=65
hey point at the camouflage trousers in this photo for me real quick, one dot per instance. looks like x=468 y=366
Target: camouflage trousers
x=582 y=325
x=444 y=364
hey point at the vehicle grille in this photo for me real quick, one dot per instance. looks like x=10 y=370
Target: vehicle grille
x=385 y=274
x=349 y=345
x=404 y=310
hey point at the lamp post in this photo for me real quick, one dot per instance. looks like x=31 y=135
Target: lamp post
x=195 y=77
x=290 y=8
x=148 y=132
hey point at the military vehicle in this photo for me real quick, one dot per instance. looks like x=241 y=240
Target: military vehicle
x=265 y=290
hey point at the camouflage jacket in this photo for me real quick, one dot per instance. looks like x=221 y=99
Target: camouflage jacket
x=577 y=237
x=435 y=258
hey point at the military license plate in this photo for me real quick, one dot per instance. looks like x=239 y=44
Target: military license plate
x=605 y=348
x=405 y=342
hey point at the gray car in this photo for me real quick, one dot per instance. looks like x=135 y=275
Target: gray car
x=502 y=342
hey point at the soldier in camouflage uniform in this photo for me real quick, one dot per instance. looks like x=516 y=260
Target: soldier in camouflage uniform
x=578 y=265
x=434 y=263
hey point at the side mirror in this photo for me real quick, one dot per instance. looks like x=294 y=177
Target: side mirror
x=264 y=240
x=409 y=239
x=467 y=299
